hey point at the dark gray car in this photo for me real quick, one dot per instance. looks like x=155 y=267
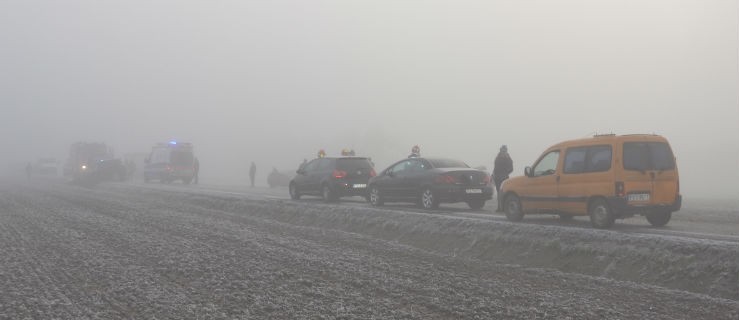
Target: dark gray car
x=333 y=178
x=429 y=182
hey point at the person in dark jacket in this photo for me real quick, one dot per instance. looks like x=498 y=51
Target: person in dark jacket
x=252 y=173
x=501 y=171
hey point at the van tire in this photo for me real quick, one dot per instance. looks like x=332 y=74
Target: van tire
x=659 y=218
x=601 y=215
x=512 y=208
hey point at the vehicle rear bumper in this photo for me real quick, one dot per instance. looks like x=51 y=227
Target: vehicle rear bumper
x=348 y=189
x=621 y=207
x=460 y=194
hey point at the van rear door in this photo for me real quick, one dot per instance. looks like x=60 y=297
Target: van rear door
x=664 y=174
x=650 y=176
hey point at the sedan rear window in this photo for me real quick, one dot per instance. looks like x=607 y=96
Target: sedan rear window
x=353 y=163
x=447 y=163
x=642 y=156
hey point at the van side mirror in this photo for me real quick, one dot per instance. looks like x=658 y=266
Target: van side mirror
x=300 y=171
x=527 y=172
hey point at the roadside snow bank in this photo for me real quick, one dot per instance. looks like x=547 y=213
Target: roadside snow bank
x=703 y=266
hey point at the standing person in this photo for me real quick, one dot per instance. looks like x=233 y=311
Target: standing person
x=415 y=152
x=502 y=169
x=196 y=169
x=28 y=171
x=252 y=173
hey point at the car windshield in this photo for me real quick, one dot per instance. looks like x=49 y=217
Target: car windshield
x=353 y=164
x=447 y=163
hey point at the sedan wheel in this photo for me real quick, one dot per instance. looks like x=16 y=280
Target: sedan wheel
x=374 y=197
x=428 y=200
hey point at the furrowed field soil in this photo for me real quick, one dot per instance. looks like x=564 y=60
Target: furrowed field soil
x=122 y=252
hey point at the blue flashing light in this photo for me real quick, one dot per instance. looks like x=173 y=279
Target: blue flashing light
x=173 y=142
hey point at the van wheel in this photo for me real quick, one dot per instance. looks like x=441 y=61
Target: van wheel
x=328 y=195
x=429 y=200
x=375 y=198
x=513 y=209
x=601 y=215
x=476 y=204
x=659 y=218
x=294 y=194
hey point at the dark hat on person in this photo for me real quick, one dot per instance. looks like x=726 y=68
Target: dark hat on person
x=504 y=148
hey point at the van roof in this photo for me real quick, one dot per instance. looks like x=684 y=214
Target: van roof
x=610 y=138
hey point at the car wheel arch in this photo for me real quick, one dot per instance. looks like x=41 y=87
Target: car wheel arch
x=593 y=199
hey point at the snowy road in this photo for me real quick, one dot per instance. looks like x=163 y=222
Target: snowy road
x=133 y=251
x=699 y=218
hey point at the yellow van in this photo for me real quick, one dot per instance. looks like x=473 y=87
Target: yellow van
x=607 y=177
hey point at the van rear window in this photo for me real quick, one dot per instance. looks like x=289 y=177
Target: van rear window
x=353 y=164
x=642 y=156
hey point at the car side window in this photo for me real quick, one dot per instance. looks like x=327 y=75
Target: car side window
x=575 y=160
x=325 y=165
x=416 y=166
x=547 y=165
x=401 y=167
x=311 y=166
x=599 y=158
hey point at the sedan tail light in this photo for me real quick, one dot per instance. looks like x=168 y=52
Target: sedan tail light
x=339 y=174
x=486 y=180
x=446 y=179
x=372 y=173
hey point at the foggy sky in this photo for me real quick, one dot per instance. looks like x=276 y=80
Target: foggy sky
x=274 y=81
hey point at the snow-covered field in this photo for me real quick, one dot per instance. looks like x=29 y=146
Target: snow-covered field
x=173 y=252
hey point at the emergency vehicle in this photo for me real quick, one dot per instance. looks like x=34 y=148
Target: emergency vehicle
x=170 y=162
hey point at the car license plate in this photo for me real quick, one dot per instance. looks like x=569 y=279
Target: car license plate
x=639 y=197
x=474 y=190
x=360 y=186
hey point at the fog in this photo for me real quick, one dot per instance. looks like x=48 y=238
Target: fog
x=275 y=81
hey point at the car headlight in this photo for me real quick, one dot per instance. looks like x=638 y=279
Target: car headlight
x=84 y=167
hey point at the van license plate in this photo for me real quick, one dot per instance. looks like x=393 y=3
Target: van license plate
x=360 y=186
x=639 y=197
x=474 y=190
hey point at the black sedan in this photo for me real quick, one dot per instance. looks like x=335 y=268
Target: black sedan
x=429 y=182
